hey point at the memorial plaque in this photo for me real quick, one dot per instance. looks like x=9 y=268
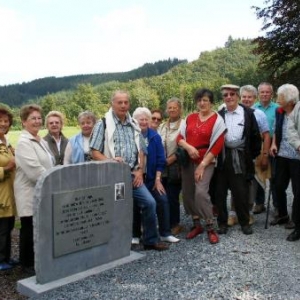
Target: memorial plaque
x=81 y=219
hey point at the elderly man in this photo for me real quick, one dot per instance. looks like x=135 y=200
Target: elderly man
x=286 y=146
x=266 y=105
x=248 y=96
x=56 y=140
x=119 y=139
x=235 y=167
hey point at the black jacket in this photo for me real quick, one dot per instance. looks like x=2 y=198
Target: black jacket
x=252 y=140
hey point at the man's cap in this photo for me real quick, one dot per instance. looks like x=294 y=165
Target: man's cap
x=230 y=87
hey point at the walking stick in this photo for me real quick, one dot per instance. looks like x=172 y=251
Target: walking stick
x=268 y=204
x=273 y=166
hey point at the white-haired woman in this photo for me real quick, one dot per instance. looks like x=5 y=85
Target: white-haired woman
x=57 y=142
x=78 y=147
x=287 y=158
x=155 y=165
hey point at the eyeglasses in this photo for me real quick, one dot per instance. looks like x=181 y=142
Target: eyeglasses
x=228 y=94
x=35 y=118
x=156 y=119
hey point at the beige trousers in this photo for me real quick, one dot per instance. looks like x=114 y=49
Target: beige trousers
x=196 y=199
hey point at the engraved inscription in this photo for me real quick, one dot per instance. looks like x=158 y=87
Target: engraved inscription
x=82 y=219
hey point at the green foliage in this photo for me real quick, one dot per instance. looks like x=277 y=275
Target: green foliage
x=18 y=94
x=279 y=49
x=235 y=63
x=68 y=131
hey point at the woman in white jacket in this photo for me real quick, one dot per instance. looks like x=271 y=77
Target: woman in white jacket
x=32 y=159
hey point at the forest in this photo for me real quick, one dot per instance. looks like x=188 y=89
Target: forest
x=234 y=63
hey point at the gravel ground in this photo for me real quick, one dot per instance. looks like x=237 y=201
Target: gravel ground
x=260 y=266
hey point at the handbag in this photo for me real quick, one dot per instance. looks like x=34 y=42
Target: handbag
x=182 y=156
x=174 y=173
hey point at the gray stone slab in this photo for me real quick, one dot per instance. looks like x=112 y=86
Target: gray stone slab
x=81 y=219
x=104 y=191
x=30 y=288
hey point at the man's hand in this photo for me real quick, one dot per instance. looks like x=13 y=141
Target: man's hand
x=138 y=178
x=273 y=150
x=118 y=159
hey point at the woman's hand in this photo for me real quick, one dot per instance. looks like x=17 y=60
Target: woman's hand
x=11 y=165
x=199 y=172
x=171 y=159
x=159 y=187
x=193 y=152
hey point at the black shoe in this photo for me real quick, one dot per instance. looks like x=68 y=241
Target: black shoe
x=290 y=225
x=294 y=236
x=160 y=246
x=280 y=220
x=247 y=229
x=259 y=208
x=222 y=229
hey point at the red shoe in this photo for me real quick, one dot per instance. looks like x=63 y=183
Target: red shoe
x=194 y=232
x=212 y=236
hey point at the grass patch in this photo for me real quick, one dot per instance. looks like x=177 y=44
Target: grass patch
x=17 y=223
x=70 y=131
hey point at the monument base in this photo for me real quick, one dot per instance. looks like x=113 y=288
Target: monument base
x=30 y=288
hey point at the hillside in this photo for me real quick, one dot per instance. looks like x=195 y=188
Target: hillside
x=234 y=63
x=18 y=94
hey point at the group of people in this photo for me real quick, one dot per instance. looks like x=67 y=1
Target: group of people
x=202 y=157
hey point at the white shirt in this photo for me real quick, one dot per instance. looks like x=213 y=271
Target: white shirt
x=235 y=123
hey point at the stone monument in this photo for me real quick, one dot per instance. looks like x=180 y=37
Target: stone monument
x=82 y=220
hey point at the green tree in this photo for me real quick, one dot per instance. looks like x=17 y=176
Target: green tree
x=280 y=47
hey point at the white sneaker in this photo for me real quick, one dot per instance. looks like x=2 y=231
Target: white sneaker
x=135 y=241
x=169 y=239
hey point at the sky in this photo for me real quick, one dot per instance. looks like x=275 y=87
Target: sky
x=42 y=38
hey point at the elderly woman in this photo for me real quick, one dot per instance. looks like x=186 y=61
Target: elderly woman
x=287 y=160
x=78 y=148
x=155 y=164
x=172 y=175
x=202 y=136
x=156 y=118
x=33 y=158
x=57 y=142
x=7 y=200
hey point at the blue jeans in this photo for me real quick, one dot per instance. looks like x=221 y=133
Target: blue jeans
x=173 y=191
x=146 y=204
x=163 y=213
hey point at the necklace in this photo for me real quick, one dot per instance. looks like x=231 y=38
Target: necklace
x=200 y=122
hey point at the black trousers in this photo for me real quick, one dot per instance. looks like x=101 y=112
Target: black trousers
x=288 y=170
x=26 y=242
x=225 y=180
x=6 y=226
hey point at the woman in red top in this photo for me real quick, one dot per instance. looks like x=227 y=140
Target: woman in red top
x=202 y=136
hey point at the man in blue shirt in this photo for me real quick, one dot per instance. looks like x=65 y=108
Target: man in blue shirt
x=265 y=104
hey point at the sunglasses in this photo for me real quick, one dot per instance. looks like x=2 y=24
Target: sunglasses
x=156 y=119
x=228 y=94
